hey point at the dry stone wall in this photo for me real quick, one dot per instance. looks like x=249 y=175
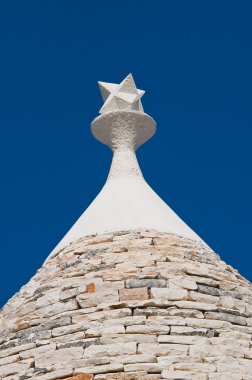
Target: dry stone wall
x=134 y=305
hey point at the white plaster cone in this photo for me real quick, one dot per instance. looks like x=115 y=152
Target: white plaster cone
x=126 y=202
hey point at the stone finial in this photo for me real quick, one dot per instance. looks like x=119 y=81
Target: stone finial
x=123 y=96
x=126 y=201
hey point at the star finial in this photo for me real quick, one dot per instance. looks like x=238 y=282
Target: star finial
x=123 y=96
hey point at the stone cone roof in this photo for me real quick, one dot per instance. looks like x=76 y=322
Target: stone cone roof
x=149 y=300
x=130 y=305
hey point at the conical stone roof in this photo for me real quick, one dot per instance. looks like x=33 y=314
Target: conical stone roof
x=132 y=304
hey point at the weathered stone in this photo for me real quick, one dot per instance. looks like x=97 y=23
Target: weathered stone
x=182 y=339
x=198 y=326
x=169 y=294
x=195 y=367
x=139 y=375
x=71 y=293
x=185 y=313
x=16 y=349
x=12 y=369
x=127 y=321
x=58 y=331
x=91 y=288
x=148 y=367
x=162 y=349
x=204 y=350
x=227 y=317
x=166 y=320
x=183 y=375
x=81 y=377
x=113 y=367
x=207 y=323
x=79 y=343
x=47 y=358
x=185 y=330
x=149 y=283
x=110 y=350
x=209 y=290
x=127 y=338
x=55 y=375
x=134 y=359
x=99 y=331
x=202 y=297
x=196 y=305
x=182 y=282
x=94 y=299
x=134 y=294
x=9 y=359
x=148 y=329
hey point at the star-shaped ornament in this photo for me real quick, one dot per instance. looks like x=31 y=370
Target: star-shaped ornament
x=123 y=96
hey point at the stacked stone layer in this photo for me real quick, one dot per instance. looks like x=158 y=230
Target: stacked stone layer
x=135 y=305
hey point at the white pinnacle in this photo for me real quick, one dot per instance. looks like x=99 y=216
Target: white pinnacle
x=121 y=96
x=126 y=202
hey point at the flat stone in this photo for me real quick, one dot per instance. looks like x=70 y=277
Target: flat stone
x=16 y=349
x=206 y=350
x=58 y=331
x=185 y=330
x=139 y=375
x=113 y=367
x=183 y=375
x=166 y=320
x=81 y=377
x=79 y=343
x=202 y=297
x=105 y=330
x=127 y=321
x=55 y=375
x=183 y=339
x=162 y=349
x=127 y=338
x=94 y=299
x=12 y=369
x=207 y=323
x=169 y=294
x=227 y=317
x=133 y=359
x=134 y=294
x=196 y=305
x=49 y=357
x=148 y=329
x=110 y=350
x=148 y=367
x=183 y=282
x=149 y=283
x=209 y=290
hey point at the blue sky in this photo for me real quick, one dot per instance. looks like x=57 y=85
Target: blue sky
x=194 y=60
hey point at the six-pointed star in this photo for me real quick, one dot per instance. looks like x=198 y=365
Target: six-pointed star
x=123 y=96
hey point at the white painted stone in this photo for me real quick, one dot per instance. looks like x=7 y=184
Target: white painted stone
x=126 y=198
x=121 y=96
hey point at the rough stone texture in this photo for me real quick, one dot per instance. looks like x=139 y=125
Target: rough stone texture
x=133 y=305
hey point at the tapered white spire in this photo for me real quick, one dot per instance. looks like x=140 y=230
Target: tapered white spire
x=126 y=201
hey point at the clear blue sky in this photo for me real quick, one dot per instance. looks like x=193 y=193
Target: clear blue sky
x=194 y=60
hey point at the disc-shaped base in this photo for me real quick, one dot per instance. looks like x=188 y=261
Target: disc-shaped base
x=123 y=129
